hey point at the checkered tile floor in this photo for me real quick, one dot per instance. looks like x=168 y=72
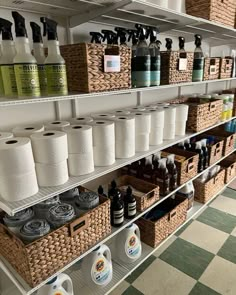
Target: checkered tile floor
x=199 y=260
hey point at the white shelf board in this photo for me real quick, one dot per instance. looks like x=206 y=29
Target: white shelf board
x=7 y=102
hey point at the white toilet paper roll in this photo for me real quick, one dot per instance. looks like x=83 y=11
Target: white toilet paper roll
x=80 y=139
x=81 y=120
x=16 y=156
x=121 y=112
x=180 y=128
x=169 y=131
x=50 y=147
x=81 y=164
x=104 y=156
x=157 y=118
x=156 y=136
x=136 y=109
x=103 y=116
x=142 y=122
x=26 y=131
x=5 y=135
x=52 y=174
x=181 y=112
x=142 y=142
x=170 y=115
x=103 y=134
x=56 y=125
x=18 y=187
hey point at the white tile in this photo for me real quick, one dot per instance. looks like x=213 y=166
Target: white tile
x=121 y=288
x=161 y=278
x=220 y=276
x=225 y=204
x=160 y=250
x=200 y=212
x=234 y=232
x=233 y=185
x=204 y=236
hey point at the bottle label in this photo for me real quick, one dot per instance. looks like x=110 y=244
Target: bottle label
x=142 y=73
x=118 y=216
x=1 y=85
x=9 y=80
x=27 y=79
x=42 y=79
x=56 y=79
x=198 y=68
x=132 y=246
x=100 y=271
x=155 y=70
x=132 y=209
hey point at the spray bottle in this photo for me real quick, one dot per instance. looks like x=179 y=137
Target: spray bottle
x=6 y=60
x=54 y=63
x=198 y=63
x=40 y=56
x=147 y=169
x=134 y=36
x=198 y=149
x=170 y=164
x=96 y=37
x=129 y=204
x=169 y=43
x=121 y=34
x=25 y=64
x=163 y=177
x=181 y=44
x=205 y=153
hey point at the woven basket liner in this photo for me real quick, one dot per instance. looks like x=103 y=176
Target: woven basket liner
x=150 y=191
x=85 y=67
x=39 y=260
x=230 y=167
x=226 y=66
x=220 y=11
x=210 y=61
x=170 y=73
x=232 y=91
x=205 y=191
x=153 y=233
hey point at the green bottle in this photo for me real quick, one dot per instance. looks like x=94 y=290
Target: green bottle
x=198 y=63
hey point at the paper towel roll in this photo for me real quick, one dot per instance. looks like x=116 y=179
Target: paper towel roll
x=52 y=174
x=49 y=147
x=103 y=133
x=142 y=142
x=5 y=135
x=80 y=139
x=180 y=128
x=125 y=136
x=26 y=131
x=81 y=120
x=103 y=116
x=56 y=125
x=169 y=131
x=81 y=164
x=121 y=112
x=18 y=187
x=142 y=122
x=156 y=136
x=170 y=115
x=181 y=112
x=104 y=156
x=157 y=118
x=16 y=156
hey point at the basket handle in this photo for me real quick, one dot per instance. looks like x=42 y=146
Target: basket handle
x=190 y=165
x=216 y=179
x=78 y=225
x=172 y=214
x=231 y=141
x=150 y=195
x=217 y=150
x=212 y=105
x=231 y=169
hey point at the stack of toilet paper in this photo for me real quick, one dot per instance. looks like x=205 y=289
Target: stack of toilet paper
x=27 y=130
x=103 y=116
x=56 y=125
x=80 y=148
x=142 y=130
x=169 y=125
x=5 y=135
x=157 y=126
x=181 y=119
x=50 y=154
x=81 y=120
x=17 y=169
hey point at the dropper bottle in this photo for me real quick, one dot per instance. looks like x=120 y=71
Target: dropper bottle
x=133 y=35
x=198 y=63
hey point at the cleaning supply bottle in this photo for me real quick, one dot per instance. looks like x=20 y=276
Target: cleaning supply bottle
x=97 y=267
x=101 y=191
x=40 y=56
x=163 y=177
x=7 y=58
x=187 y=144
x=117 y=207
x=181 y=44
x=96 y=37
x=205 y=153
x=112 y=190
x=128 y=247
x=170 y=164
x=134 y=169
x=2 y=93
x=181 y=145
x=147 y=169
x=25 y=64
x=198 y=149
x=155 y=160
x=54 y=63
x=198 y=63
x=129 y=204
x=169 y=43
x=134 y=37
x=121 y=35
x=188 y=193
x=60 y=285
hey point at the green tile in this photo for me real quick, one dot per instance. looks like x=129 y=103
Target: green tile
x=200 y=289
x=179 y=232
x=135 y=274
x=228 y=250
x=188 y=258
x=132 y=291
x=230 y=193
x=218 y=219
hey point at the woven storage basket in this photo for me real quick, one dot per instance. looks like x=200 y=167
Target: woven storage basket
x=211 y=68
x=226 y=65
x=232 y=91
x=150 y=191
x=170 y=73
x=85 y=67
x=205 y=191
x=154 y=232
x=39 y=260
x=220 y=11
x=229 y=164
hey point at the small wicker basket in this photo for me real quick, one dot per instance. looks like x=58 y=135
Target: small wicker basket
x=226 y=66
x=229 y=164
x=211 y=68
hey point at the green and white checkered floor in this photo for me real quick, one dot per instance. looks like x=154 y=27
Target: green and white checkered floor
x=199 y=260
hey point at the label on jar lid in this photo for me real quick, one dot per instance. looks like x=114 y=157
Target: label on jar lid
x=111 y=63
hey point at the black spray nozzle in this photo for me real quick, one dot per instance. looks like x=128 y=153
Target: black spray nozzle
x=129 y=191
x=36 y=33
x=158 y=42
x=134 y=35
x=49 y=28
x=198 y=40
x=5 y=29
x=141 y=32
x=110 y=36
x=152 y=32
x=169 y=43
x=121 y=33
x=100 y=190
x=96 y=37
x=19 y=24
x=181 y=42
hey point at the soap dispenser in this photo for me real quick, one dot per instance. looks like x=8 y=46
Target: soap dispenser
x=130 y=204
x=117 y=207
x=198 y=63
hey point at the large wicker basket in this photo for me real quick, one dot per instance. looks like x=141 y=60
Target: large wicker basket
x=226 y=65
x=220 y=11
x=229 y=164
x=39 y=260
x=211 y=68
x=85 y=70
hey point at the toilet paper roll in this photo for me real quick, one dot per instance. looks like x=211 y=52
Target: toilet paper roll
x=121 y=112
x=80 y=139
x=157 y=118
x=81 y=120
x=156 y=136
x=5 y=135
x=104 y=156
x=142 y=142
x=136 y=109
x=16 y=156
x=26 y=131
x=170 y=115
x=180 y=128
x=49 y=147
x=142 y=122
x=169 y=131
x=103 y=134
x=181 y=112
x=18 y=187
x=56 y=125
x=52 y=174
x=81 y=164
x=103 y=116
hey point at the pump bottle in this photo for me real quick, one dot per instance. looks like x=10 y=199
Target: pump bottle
x=101 y=191
x=163 y=177
x=198 y=63
x=133 y=35
x=117 y=208
x=129 y=204
x=54 y=63
x=6 y=60
x=25 y=64
x=40 y=56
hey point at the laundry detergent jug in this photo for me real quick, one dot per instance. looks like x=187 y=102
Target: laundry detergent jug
x=97 y=267
x=128 y=247
x=56 y=286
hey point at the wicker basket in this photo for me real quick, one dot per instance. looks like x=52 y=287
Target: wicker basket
x=154 y=232
x=220 y=11
x=211 y=68
x=232 y=91
x=39 y=260
x=226 y=65
x=230 y=167
x=150 y=191
x=205 y=191
x=170 y=73
x=85 y=69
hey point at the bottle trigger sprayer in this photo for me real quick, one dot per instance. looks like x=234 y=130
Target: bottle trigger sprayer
x=96 y=37
x=121 y=34
x=133 y=34
x=169 y=43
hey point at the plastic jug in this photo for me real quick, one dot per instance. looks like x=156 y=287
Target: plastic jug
x=55 y=286
x=97 y=267
x=128 y=245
